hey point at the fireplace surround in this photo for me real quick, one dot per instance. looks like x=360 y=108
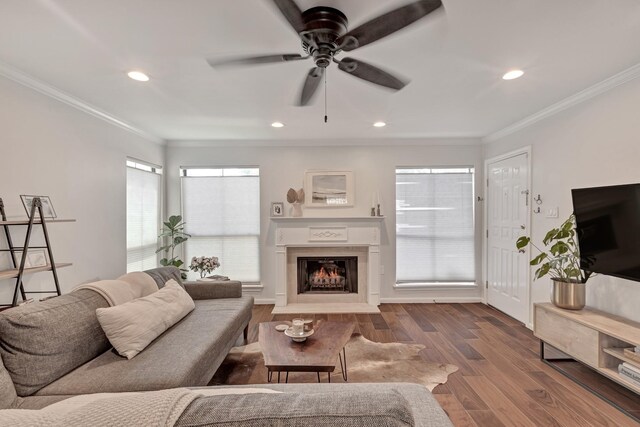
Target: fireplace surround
x=321 y=238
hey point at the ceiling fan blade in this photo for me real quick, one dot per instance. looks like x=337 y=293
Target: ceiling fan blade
x=311 y=84
x=386 y=24
x=254 y=60
x=371 y=73
x=292 y=13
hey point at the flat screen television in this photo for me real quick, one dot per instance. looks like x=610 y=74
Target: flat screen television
x=608 y=228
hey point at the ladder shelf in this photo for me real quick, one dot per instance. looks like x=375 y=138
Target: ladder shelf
x=18 y=254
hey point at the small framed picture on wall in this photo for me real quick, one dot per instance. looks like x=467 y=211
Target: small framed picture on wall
x=277 y=209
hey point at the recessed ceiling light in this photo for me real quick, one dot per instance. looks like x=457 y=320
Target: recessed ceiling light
x=513 y=74
x=138 y=75
x=379 y=124
x=277 y=124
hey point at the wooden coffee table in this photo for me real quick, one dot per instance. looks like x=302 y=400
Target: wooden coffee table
x=317 y=354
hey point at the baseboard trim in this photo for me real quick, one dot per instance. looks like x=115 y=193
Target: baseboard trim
x=423 y=300
x=264 y=301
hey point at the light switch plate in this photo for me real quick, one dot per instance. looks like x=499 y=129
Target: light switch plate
x=553 y=212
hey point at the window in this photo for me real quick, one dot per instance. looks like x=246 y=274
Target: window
x=144 y=184
x=221 y=209
x=435 y=226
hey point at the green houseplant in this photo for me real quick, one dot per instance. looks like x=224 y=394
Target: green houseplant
x=171 y=236
x=561 y=261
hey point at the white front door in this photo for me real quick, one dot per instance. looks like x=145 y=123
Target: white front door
x=508 y=219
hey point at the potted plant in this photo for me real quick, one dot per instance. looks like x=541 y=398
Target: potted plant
x=561 y=261
x=173 y=235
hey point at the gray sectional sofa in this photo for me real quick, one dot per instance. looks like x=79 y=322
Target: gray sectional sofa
x=56 y=348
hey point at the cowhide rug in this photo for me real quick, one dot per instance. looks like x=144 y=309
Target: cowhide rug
x=367 y=362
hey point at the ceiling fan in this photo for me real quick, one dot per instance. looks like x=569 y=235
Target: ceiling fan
x=324 y=34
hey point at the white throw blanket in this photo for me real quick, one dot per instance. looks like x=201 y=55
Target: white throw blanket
x=125 y=289
x=155 y=408
x=151 y=408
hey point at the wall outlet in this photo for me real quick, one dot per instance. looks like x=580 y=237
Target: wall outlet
x=553 y=212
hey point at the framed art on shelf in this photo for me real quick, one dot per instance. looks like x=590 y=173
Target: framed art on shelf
x=35 y=258
x=277 y=209
x=328 y=189
x=47 y=206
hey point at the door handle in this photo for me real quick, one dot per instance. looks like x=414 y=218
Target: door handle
x=526 y=196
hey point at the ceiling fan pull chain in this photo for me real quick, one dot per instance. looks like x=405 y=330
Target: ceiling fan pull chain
x=325 y=96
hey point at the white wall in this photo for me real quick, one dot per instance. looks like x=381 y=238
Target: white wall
x=49 y=148
x=283 y=166
x=595 y=143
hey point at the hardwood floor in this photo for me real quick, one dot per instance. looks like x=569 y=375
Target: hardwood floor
x=501 y=381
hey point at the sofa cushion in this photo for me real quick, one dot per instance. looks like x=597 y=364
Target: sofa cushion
x=425 y=408
x=368 y=408
x=188 y=354
x=211 y=290
x=162 y=275
x=8 y=395
x=43 y=341
x=132 y=326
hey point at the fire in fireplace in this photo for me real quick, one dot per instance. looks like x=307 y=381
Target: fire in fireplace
x=328 y=274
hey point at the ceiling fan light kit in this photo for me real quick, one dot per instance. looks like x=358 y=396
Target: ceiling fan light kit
x=324 y=34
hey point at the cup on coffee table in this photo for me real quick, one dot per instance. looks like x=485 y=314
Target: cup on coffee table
x=308 y=325
x=297 y=326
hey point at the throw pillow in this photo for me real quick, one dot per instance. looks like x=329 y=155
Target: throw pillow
x=132 y=326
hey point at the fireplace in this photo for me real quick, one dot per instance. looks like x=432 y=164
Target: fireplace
x=352 y=286
x=322 y=275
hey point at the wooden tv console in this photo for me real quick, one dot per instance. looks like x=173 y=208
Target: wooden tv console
x=590 y=336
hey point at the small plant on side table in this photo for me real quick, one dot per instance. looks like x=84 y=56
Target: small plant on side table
x=204 y=265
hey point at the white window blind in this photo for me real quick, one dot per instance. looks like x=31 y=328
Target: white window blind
x=143 y=216
x=221 y=209
x=435 y=226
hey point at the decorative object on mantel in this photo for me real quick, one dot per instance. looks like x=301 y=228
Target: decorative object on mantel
x=173 y=233
x=204 y=265
x=296 y=199
x=562 y=263
x=329 y=189
x=376 y=204
x=277 y=209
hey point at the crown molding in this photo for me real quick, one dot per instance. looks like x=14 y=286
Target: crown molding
x=443 y=141
x=573 y=100
x=55 y=93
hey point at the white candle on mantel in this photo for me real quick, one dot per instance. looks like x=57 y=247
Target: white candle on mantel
x=373 y=199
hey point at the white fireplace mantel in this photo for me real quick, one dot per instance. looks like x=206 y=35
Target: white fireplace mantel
x=305 y=232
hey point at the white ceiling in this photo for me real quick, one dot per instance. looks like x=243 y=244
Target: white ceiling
x=455 y=60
